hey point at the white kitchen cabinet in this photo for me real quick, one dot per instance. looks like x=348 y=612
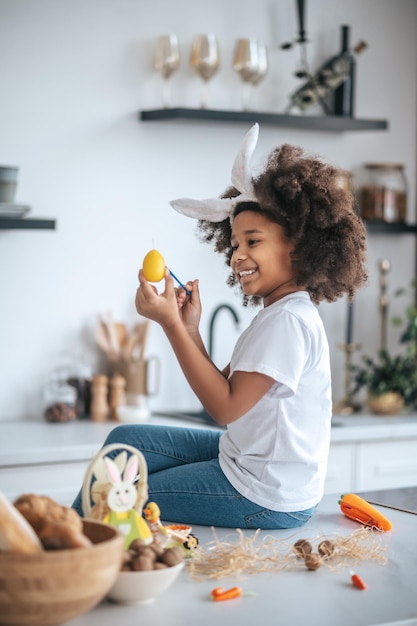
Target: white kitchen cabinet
x=60 y=481
x=385 y=465
x=341 y=469
x=369 y=452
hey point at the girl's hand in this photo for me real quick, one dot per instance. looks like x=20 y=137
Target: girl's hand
x=161 y=308
x=190 y=306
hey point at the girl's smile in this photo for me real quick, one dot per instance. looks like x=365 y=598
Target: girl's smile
x=261 y=258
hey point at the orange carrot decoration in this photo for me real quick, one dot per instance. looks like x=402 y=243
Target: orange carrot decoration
x=219 y=594
x=361 y=511
x=217 y=591
x=357 y=581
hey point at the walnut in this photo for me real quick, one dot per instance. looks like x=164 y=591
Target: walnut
x=312 y=561
x=326 y=549
x=302 y=547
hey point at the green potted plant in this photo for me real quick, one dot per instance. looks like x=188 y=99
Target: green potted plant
x=391 y=381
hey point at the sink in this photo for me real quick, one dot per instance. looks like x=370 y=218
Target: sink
x=200 y=416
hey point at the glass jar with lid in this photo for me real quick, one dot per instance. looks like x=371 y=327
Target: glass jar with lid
x=383 y=192
x=59 y=399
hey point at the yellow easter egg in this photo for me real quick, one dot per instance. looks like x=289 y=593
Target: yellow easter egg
x=153 y=266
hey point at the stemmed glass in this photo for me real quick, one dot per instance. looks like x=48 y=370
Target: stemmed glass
x=166 y=61
x=205 y=60
x=250 y=61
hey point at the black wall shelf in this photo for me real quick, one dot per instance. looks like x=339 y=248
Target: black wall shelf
x=303 y=122
x=27 y=224
x=394 y=228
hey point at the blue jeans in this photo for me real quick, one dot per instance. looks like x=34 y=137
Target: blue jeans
x=187 y=483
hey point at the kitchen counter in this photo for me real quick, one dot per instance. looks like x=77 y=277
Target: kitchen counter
x=367 y=452
x=292 y=598
x=367 y=427
x=30 y=442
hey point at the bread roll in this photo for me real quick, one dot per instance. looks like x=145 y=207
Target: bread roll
x=16 y=534
x=58 y=527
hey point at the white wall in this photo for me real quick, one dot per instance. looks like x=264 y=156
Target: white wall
x=74 y=74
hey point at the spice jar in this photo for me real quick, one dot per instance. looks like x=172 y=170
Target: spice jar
x=60 y=401
x=383 y=192
x=80 y=378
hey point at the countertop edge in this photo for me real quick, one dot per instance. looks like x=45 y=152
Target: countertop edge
x=41 y=443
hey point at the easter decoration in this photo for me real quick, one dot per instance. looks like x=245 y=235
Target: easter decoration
x=170 y=535
x=153 y=517
x=122 y=499
x=362 y=511
x=115 y=491
x=153 y=268
x=124 y=496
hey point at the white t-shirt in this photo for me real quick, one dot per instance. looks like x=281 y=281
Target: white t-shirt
x=276 y=454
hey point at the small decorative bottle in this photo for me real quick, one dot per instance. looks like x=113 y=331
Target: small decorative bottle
x=117 y=394
x=99 y=402
x=343 y=95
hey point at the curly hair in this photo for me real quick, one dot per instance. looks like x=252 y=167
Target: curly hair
x=305 y=197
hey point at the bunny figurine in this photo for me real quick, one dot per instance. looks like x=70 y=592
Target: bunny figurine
x=122 y=500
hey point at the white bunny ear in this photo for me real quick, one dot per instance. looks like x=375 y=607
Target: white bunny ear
x=218 y=209
x=241 y=171
x=112 y=471
x=131 y=469
x=100 y=470
x=213 y=209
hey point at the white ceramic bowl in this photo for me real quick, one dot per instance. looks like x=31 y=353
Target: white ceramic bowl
x=143 y=587
x=133 y=414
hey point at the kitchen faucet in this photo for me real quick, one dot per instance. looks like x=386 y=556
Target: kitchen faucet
x=201 y=415
x=213 y=319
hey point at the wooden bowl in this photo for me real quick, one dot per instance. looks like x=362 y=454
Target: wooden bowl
x=52 y=587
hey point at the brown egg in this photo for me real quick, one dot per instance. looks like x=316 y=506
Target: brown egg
x=148 y=552
x=142 y=563
x=127 y=556
x=157 y=548
x=136 y=545
x=172 y=556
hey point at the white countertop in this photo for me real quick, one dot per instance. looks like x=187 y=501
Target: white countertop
x=367 y=427
x=291 y=598
x=34 y=442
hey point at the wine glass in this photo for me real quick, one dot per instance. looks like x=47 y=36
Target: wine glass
x=250 y=61
x=205 y=60
x=166 y=61
x=263 y=64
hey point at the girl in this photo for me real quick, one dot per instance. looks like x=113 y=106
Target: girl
x=292 y=239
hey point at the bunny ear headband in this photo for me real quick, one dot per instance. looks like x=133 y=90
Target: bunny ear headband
x=218 y=209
